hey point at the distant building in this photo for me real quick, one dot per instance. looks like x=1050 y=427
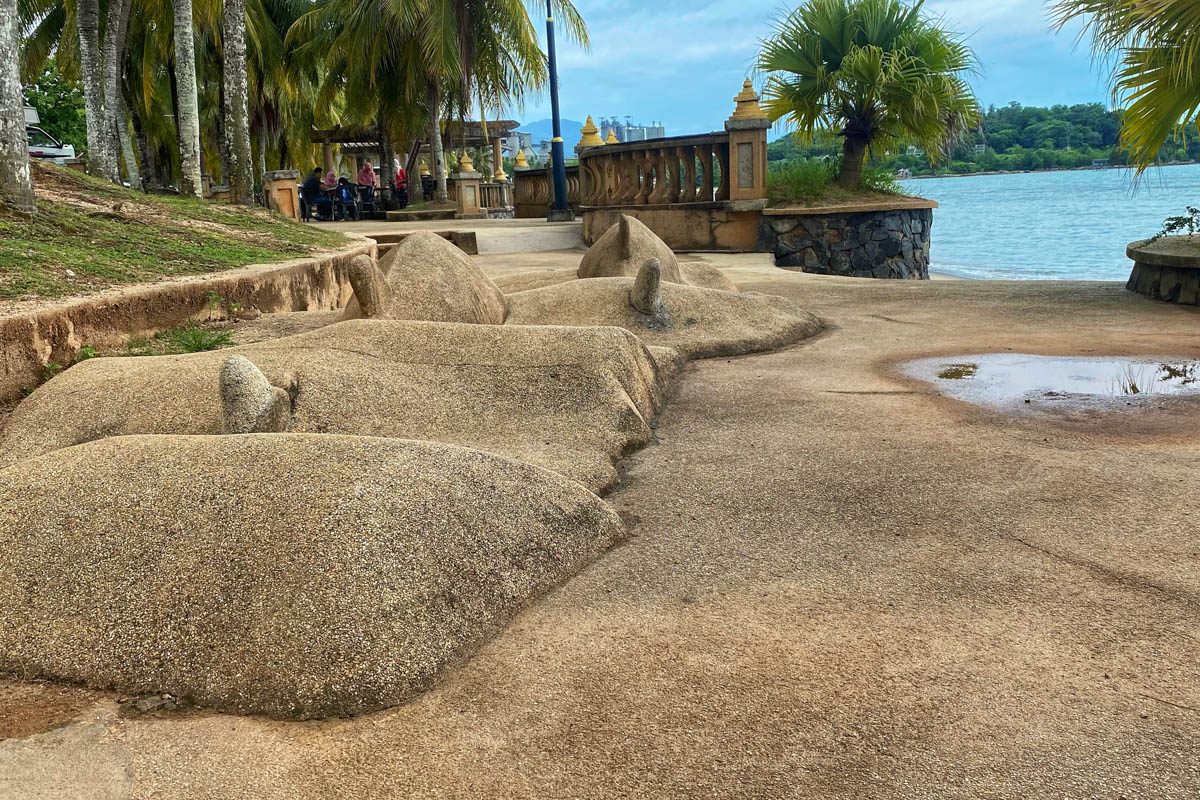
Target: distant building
x=627 y=131
x=913 y=150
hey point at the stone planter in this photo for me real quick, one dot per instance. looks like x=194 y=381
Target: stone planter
x=1167 y=270
x=868 y=240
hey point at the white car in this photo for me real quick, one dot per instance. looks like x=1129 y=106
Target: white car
x=43 y=145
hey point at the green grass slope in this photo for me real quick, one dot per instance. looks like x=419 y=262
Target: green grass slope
x=89 y=235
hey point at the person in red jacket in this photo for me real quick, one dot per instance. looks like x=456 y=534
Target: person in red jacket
x=401 y=184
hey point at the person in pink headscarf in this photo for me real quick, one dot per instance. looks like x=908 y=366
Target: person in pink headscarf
x=366 y=175
x=330 y=181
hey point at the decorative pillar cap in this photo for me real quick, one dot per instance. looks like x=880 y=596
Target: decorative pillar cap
x=521 y=163
x=747 y=103
x=465 y=164
x=612 y=137
x=590 y=134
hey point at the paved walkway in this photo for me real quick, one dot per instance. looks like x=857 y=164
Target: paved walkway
x=839 y=586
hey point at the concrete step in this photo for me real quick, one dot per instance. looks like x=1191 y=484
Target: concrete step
x=463 y=240
x=420 y=216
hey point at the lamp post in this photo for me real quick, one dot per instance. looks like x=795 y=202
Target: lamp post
x=559 y=210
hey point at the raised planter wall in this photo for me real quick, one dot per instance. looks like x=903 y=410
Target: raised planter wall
x=28 y=342
x=865 y=241
x=1166 y=270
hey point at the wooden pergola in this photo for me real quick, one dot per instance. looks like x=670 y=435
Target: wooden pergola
x=363 y=142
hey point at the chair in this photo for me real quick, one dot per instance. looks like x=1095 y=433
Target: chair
x=346 y=202
x=366 y=200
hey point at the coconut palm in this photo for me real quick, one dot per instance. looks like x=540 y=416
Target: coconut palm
x=186 y=99
x=868 y=71
x=16 y=188
x=237 y=117
x=1157 y=81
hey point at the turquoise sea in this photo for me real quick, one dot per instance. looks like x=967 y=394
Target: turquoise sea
x=1050 y=225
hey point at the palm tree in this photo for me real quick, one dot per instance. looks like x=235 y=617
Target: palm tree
x=868 y=71
x=1158 y=79
x=237 y=118
x=186 y=97
x=16 y=187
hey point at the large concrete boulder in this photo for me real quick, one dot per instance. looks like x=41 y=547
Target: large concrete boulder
x=569 y=399
x=425 y=277
x=694 y=321
x=626 y=246
x=282 y=574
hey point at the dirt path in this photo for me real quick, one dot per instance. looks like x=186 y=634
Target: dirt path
x=839 y=585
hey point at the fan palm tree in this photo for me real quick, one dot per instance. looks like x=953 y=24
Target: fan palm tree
x=1157 y=82
x=868 y=71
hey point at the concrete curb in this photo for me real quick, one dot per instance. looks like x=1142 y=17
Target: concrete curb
x=30 y=341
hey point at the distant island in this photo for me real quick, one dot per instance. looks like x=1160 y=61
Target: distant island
x=1011 y=138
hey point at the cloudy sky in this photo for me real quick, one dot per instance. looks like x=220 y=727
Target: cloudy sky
x=681 y=61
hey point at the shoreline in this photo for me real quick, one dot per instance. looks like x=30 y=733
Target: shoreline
x=1038 y=171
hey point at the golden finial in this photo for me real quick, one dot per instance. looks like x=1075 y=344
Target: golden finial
x=590 y=134
x=747 y=103
x=465 y=164
x=612 y=137
x=521 y=163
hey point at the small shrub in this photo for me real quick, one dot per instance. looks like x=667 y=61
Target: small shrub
x=85 y=353
x=195 y=339
x=1172 y=226
x=799 y=181
x=880 y=179
x=50 y=370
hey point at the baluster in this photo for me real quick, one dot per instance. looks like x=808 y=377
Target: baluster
x=723 y=159
x=705 y=191
x=646 y=164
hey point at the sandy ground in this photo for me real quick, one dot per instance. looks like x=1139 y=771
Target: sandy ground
x=840 y=585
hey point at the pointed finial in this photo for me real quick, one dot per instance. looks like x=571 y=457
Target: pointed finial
x=747 y=103
x=590 y=134
x=521 y=163
x=612 y=137
x=465 y=164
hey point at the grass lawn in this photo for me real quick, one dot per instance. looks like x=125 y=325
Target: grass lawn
x=89 y=234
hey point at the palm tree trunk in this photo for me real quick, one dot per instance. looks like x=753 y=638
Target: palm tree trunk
x=189 y=110
x=114 y=112
x=237 y=118
x=16 y=185
x=854 y=153
x=261 y=161
x=131 y=166
x=99 y=135
x=435 y=143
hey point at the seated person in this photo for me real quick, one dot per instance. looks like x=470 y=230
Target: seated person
x=331 y=180
x=366 y=175
x=347 y=199
x=311 y=196
x=401 y=184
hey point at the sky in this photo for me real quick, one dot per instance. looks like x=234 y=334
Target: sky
x=682 y=61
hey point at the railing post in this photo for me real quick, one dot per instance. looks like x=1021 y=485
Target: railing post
x=466 y=189
x=747 y=158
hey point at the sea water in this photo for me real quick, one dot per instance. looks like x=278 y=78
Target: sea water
x=1051 y=225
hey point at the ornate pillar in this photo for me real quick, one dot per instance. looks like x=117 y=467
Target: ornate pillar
x=747 y=148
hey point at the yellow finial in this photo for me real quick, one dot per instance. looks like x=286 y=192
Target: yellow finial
x=590 y=134
x=747 y=103
x=521 y=163
x=465 y=164
x=612 y=137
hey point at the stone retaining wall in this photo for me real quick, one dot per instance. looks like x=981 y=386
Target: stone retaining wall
x=859 y=242
x=30 y=341
x=1166 y=270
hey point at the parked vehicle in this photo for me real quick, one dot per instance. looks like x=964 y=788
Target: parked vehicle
x=42 y=144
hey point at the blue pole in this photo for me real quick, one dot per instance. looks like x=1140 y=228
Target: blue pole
x=559 y=208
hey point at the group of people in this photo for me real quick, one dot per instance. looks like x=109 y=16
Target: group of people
x=326 y=196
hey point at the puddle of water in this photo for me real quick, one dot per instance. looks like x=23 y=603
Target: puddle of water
x=1005 y=379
